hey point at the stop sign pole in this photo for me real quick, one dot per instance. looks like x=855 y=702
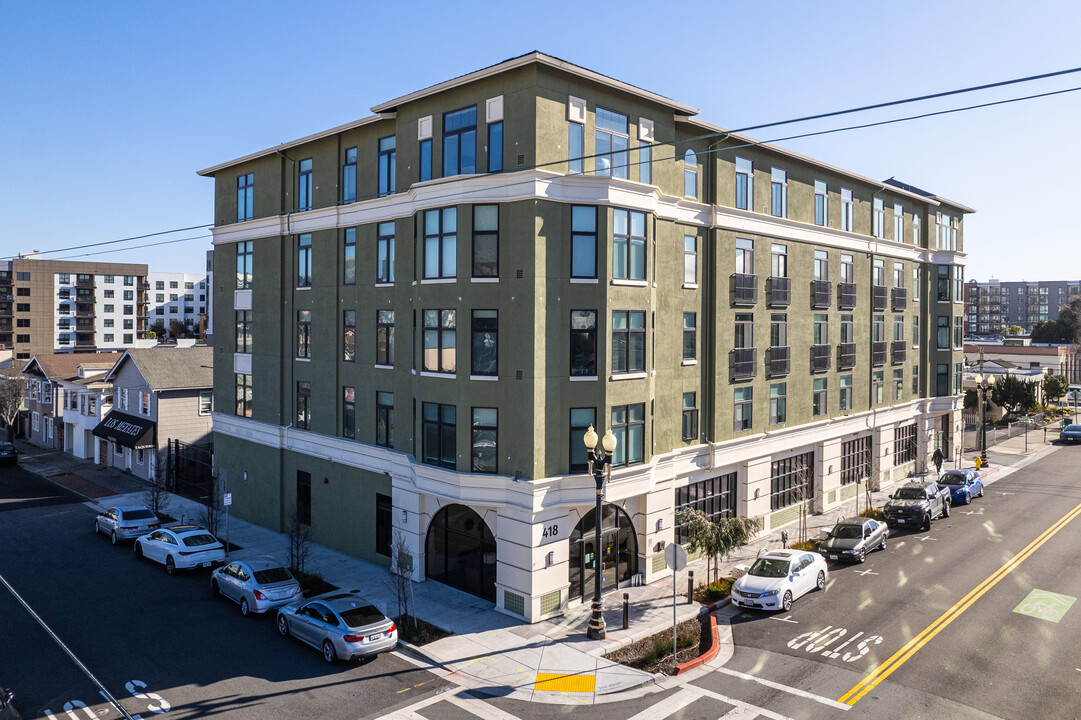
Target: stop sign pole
x=675 y=557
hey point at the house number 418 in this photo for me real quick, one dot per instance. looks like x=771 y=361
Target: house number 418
x=550 y=531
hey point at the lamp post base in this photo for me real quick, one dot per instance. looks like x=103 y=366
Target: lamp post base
x=596 y=622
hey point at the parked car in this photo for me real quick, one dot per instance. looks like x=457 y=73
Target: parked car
x=852 y=538
x=9 y=454
x=962 y=484
x=914 y=504
x=342 y=624
x=1070 y=434
x=126 y=523
x=256 y=585
x=779 y=577
x=180 y=547
x=7 y=710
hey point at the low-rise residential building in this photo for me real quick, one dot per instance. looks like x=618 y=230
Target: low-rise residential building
x=51 y=380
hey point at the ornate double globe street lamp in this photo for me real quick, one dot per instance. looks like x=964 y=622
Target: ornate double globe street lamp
x=984 y=383
x=600 y=466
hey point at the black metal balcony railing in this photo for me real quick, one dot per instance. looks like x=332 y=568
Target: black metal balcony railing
x=846 y=356
x=878 y=354
x=780 y=292
x=820 y=358
x=84 y=327
x=897 y=352
x=744 y=290
x=84 y=311
x=899 y=298
x=87 y=282
x=879 y=295
x=846 y=296
x=743 y=363
x=5 y=311
x=143 y=286
x=821 y=293
x=779 y=361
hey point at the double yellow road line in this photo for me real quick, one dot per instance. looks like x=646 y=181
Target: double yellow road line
x=880 y=673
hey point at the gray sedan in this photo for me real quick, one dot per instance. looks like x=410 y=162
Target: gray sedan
x=342 y=624
x=256 y=585
x=852 y=538
x=1070 y=434
x=126 y=523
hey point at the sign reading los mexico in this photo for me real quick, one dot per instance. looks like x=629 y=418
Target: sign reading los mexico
x=122 y=426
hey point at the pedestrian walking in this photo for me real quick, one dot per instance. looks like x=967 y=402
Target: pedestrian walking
x=937 y=460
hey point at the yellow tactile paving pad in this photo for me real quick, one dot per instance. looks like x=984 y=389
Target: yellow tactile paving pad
x=559 y=682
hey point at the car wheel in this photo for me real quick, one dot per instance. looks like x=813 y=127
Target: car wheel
x=328 y=651
x=945 y=509
x=862 y=556
x=821 y=580
x=138 y=550
x=244 y=609
x=786 y=601
x=215 y=589
x=980 y=493
x=882 y=545
x=927 y=522
x=113 y=537
x=170 y=566
x=283 y=626
x=97 y=528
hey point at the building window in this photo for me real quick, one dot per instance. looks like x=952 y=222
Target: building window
x=304 y=497
x=581 y=420
x=943 y=283
x=877 y=390
x=439 y=440
x=384 y=253
x=958 y=372
x=173 y=285
x=743 y=336
x=690 y=417
x=628 y=341
x=628 y=245
x=24 y=307
x=690 y=261
x=63 y=278
x=485 y=440
x=384 y=338
x=485 y=241
x=611 y=143
x=777 y=403
x=744 y=184
x=958 y=332
x=715 y=497
x=744 y=256
x=629 y=427
x=845 y=394
x=440 y=243
x=460 y=142
x=22 y=276
x=245 y=197
x=304 y=333
x=129 y=325
x=915 y=284
x=943 y=332
x=778 y=193
x=109 y=337
x=243 y=265
x=583 y=242
x=304 y=403
x=243 y=395
x=384 y=419
x=790 y=480
x=848 y=211
x=304 y=261
x=304 y=185
x=778 y=330
x=349 y=412
x=645 y=159
x=576 y=140
x=898 y=384
x=206 y=401
x=583 y=343
x=942 y=380
x=744 y=397
x=128 y=338
x=485 y=355
x=387 y=153
x=904 y=444
x=349 y=257
x=384 y=524
x=915 y=380
x=349 y=335
x=425 y=160
x=778 y=260
x=495 y=147
x=439 y=341
x=855 y=460
x=878 y=219
x=243 y=331
x=349 y=176
x=819 y=398
x=898 y=222
x=690 y=336
x=821 y=203
x=898 y=328
x=690 y=174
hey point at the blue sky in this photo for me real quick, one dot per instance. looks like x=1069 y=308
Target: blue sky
x=111 y=107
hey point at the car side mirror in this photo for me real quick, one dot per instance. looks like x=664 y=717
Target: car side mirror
x=890 y=496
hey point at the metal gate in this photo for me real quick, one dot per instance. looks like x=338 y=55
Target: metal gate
x=188 y=469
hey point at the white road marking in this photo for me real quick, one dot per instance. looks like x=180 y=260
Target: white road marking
x=868 y=571
x=971 y=512
x=785 y=688
x=409 y=712
x=785 y=619
x=668 y=706
x=739 y=713
x=925 y=538
x=1004 y=493
x=475 y=706
x=747 y=707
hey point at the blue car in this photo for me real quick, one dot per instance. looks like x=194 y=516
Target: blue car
x=963 y=484
x=1070 y=434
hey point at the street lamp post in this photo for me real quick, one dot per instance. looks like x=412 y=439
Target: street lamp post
x=983 y=387
x=600 y=466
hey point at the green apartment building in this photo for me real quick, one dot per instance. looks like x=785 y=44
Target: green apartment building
x=760 y=330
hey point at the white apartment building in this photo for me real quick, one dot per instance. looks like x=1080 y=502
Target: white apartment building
x=178 y=296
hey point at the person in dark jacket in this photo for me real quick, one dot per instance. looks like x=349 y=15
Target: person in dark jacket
x=937 y=460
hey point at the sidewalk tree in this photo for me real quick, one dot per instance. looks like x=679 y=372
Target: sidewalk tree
x=299 y=539
x=12 y=395
x=716 y=540
x=155 y=496
x=213 y=513
x=401 y=566
x=1055 y=387
x=1013 y=394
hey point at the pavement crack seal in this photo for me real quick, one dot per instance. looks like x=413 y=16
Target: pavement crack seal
x=880 y=673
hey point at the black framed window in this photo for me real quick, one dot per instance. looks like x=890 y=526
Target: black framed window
x=304 y=185
x=629 y=427
x=349 y=412
x=628 y=341
x=304 y=333
x=387 y=161
x=349 y=257
x=485 y=241
x=583 y=343
x=349 y=176
x=245 y=197
x=349 y=335
x=845 y=396
x=690 y=417
x=581 y=420
x=243 y=394
x=439 y=434
x=304 y=261
x=425 y=160
x=583 y=242
x=716 y=497
x=384 y=337
x=460 y=142
x=440 y=243
x=304 y=405
x=384 y=524
x=304 y=497
x=384 y=253
x=495 y=147
x=628 y=245
x=243 y=331
x=384 y=419
x=485 y=440
x=243 y=265
x=743 y=408
x=855 y=460
x=690 y=336
x=819 y=398
x=791 y=480
x=778 y=403
x=440 y=342
x=485 y=346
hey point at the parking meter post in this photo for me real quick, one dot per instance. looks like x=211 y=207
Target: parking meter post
x=626 y=610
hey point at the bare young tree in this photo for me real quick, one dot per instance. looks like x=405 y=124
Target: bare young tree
x=401 y=566
x=156 y=496
x=299 y=539
x=12 y=395
x=213 y=513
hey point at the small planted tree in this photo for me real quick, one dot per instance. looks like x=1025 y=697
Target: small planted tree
x=213 y=513
x=716 y=540
x=1013 y=394
x=12 y=395
x=401 y=567
x=156 y=497
x=1055 y=386
x=299 y=539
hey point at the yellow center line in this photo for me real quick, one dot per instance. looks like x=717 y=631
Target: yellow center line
x=895 y=661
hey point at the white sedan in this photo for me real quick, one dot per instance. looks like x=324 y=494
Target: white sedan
x=181 y=547
x=779 y=577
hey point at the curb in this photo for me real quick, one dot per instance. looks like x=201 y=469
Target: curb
x=707 y=656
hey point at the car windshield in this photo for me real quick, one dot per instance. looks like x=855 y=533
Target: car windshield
x=361 y=616
x=272 y=575
x=1073 y=428
x=769 y=568
x=847 y=531
x=6 y=446
x=197 y=540
x=138 y=515
x=952 y=480
x=915 y=493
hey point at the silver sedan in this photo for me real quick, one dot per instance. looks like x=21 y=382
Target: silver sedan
x=126 y=522
x=256 y=585
x=342 y=624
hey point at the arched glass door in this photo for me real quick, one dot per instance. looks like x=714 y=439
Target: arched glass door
x=460 y=551
x=618 y=552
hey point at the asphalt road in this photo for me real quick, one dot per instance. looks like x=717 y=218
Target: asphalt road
x=156 y=643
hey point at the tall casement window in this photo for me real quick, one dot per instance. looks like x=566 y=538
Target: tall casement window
x=847 y=332
x=690 y=417
x=576 y=142
x=384 y=524
x=898 y=384
x=848 y=269
x=958 y=371
x=878 y=272
x=916 y=380
x=943 y=284
x=690 y=337
x=485 y=355
x=628 y=341
x=349 y=257
x=958 y=332
x=581 y=420
x=690 y=261
x=743 y=402
x=611 y=143
x=440 y=348
x=384 y=419
x=386 y=163
x=645 y=162
x=791 y=480
x=243 y=264
x=583 y=343
x=460 y=142
x=915 y=284
x=485 y=241
x=778 y=330
x=384 y=338
x=304 y=497
x=898 y=275
x=822 y=265
x=583 y=242
x=878 y=219
x=878 y=328
x=915 y=331
x=495 y=147
x=304 y=185
x=744 y=184
x=304 y=333
x=384 y=253
x=439 y=434
x=349 y=335
x=243 y=394
x=959 y=282
x=819 y=397
x=898 y=328
x=243 y=331
x=744 y=256
x=821 y=203
x=349 y=176
x=245 y=197
x=628 y=245
x=877 y=378
x=690 y=174
x=304 y=405
x=744 y=331
x=349 y=412
x=821 y=334
x=304 y=261
x=942 y=380
x=848 y=211
x=778 y=188
x=485 y=440
x=440 y=243
x=777 y=403
x=845 y=395
x=629 y=427
x=425 y=160
x=943 y=332
x=898 y=222
x=778 y=260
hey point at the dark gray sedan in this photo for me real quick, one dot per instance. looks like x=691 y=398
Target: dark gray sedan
x=256 y=585
x=9 y=454
x=852 y=538
x=7 y=710
x=342 y=624
x=1070 y=434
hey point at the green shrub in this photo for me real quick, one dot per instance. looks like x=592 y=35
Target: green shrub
x=661 y=649
x=811 y=545
x=874 y=514
x=714 y=591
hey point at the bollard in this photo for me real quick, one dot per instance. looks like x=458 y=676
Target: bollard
x=690 y=586
x=626 y=610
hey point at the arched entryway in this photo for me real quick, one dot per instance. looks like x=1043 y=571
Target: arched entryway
x=619 y=552
x=460 y=551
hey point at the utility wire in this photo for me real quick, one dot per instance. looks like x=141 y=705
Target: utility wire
x=132 y=247
x=113 y=242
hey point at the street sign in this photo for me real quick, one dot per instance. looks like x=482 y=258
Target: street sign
x=227 y=499
x=675 y=557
